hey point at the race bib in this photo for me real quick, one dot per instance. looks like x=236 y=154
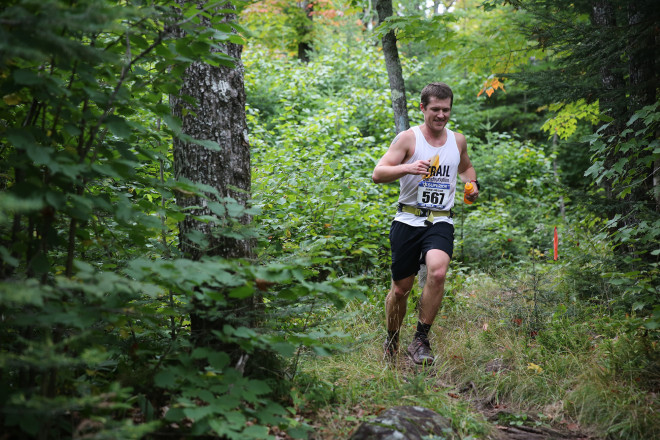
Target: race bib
x=432 y=195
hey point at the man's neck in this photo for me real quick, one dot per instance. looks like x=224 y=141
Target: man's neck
x=434 y=137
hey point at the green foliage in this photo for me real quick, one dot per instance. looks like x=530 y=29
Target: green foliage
x=315 y=142
x=636 y=147
x=573 y=48
x=599 y=366
x=276 y=25
x=76 y=186
x=94 y=296
x=96 y=301
x=214 y=398
x=564 y=123
x=64 y=346
x=283 y=25
x=433 y=30
x=588 y=55
x=517 y=208
x=638 y=225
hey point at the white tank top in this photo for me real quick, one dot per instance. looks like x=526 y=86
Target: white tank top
x=435 y=191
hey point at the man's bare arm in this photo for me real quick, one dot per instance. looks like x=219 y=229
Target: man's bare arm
x=391 y=166
x=466 y=171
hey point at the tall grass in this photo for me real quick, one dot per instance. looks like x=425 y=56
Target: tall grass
x=516 y=341
x=340 y=392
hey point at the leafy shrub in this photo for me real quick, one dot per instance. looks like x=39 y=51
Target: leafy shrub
x=312 y=170
x=622 y=163
x=95 y=299
x=517 y=208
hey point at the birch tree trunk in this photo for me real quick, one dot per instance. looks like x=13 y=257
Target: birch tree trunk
x=394 y=72
x=218 y=115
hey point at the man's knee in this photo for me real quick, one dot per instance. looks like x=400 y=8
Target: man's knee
x=401 y=289
x=437 y=263
x=400 y=293
x=437 y=275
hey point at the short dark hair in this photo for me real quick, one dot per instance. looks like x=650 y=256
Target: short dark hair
x=438 y=90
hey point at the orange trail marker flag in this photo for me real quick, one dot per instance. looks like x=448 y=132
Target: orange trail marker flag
x=556 y=244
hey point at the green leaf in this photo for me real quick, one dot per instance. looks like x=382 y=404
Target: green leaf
x=173 y=123
x=27 y=77
x=7 y=257
x=211 y=145
x=80 y=207
x=10 y=203
x=638 y=305
x=235 y=419
x=653 y=324
x=174 y=414
x=165 y=379
x=198 y=413
x=255 y=431
x=241 y=292
x=244 y=332
x=24 y=140
x=118 y=126
x=198 y=238
x=25 y=293
x=218 y=360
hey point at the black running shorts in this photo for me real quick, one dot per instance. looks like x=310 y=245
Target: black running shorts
x=409 y=242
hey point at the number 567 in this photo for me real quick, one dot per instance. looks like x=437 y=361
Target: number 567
x=433 y=197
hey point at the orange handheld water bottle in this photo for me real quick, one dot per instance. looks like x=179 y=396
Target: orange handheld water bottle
x=469 y=189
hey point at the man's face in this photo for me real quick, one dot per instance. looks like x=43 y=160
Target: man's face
x=436 y=113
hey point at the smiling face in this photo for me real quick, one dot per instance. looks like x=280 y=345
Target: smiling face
x=436 y=113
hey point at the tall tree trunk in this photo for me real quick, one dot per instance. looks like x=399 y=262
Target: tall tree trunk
x=642 y=50
x=604 y=20
x=305 y=31
x=656 y=180
x=641 y=54
x=394 y=72
x=217 y=115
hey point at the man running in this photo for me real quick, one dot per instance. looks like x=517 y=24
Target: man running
x=426 y=160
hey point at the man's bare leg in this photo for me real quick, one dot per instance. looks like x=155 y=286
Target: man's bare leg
x=437 y=263
x=395 y=312
x=395 y=302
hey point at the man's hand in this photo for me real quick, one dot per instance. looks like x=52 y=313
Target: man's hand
x=473 y=195
x=420 y=167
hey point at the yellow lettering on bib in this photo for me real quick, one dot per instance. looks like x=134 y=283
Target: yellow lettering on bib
x=435 y=162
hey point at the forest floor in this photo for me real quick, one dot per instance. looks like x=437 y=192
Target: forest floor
x=506 y=423
x=492 y=377
x=496 y=420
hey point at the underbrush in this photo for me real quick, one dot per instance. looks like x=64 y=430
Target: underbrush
x=338 y=393
x=523 y=345
x=517 y=342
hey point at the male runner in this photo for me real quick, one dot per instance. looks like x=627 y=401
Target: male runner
x=426 y=160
